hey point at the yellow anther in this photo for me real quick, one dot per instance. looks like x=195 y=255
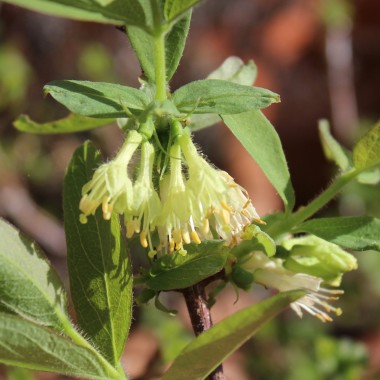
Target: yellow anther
x=171 y=245
x=225 y=205
x=105 y=206
x=83 y=218
x=247 y=203
x=143 y=240
x=136 y=223
x=226 y=216
x=195 y=237
x=177 y=236
x=186 y=237
x=206 y=226
x=130 y=228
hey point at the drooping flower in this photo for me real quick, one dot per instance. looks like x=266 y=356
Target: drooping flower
x=217 y=200
x=175 y=223
x=110 y=185
x=146 y=202
x=271 y=274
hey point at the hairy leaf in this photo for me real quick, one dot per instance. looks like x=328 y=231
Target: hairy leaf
x=178 y=272
x=116 y=12
x=96 y=99
x=356 y=233
x=212 y=347
x=261 y=141
x=234 y=70
x=29 y=286
x=221 y=97
x=175 y=8
x=99 y=266
x=25 y=344
x=70 y=124
x=366 y=154
x=332 y=149
x=143 y=44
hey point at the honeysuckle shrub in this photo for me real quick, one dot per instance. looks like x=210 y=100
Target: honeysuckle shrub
x=195 y=225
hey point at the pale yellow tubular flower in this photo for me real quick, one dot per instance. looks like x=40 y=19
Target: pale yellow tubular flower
x=271 y=274
x=146 y=202
x=110 y=185
x=217 y=200
x=175 y=224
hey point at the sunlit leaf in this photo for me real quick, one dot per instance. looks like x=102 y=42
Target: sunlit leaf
x=29 y=286
x=212 y=347
x=99 y=266
x=260 y=139
x=70 y=124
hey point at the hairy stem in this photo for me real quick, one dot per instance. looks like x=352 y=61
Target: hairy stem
x=160 y=63
x=318 y=203
x=200 y=316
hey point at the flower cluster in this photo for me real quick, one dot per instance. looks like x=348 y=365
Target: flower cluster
x=190 y=201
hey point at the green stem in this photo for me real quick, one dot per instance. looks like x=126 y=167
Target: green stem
x=318 y=203
x=160 y=63
x=113 y=373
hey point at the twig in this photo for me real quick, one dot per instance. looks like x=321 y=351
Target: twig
x=200 y=316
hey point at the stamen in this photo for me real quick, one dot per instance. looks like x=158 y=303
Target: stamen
x=130 y=228
x=143 y=240
x=225 y=205
x=195 y=237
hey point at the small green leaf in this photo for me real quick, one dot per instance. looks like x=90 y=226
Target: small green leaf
x=25 y=344
x=99 y=266
x=221 y=97
x=70 y=124
x=143 y=44
x=234 y=70
x=29 y=286
x=178 y=272
x=212 y=347
x=332 y=149
x=176 y=8
x=96 y=99
x=356 y=233
x=261 y=141
x=366 y=154
x=116 y=12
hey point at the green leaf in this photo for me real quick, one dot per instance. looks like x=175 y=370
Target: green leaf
x=332 y=149
x=29 y=286
x=116 y=12
x=25 y=344
x=356 y=233
x=366 y=154
x=175 y=8
x=70 y=124
x=99 y=266
x=96 y=99
x=143 y=44
x=178 y=272
x=212 y=347
x=261 y=141
x=234 y=70
x=221 y=97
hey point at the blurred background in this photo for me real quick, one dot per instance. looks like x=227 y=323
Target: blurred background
x=321 y=56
